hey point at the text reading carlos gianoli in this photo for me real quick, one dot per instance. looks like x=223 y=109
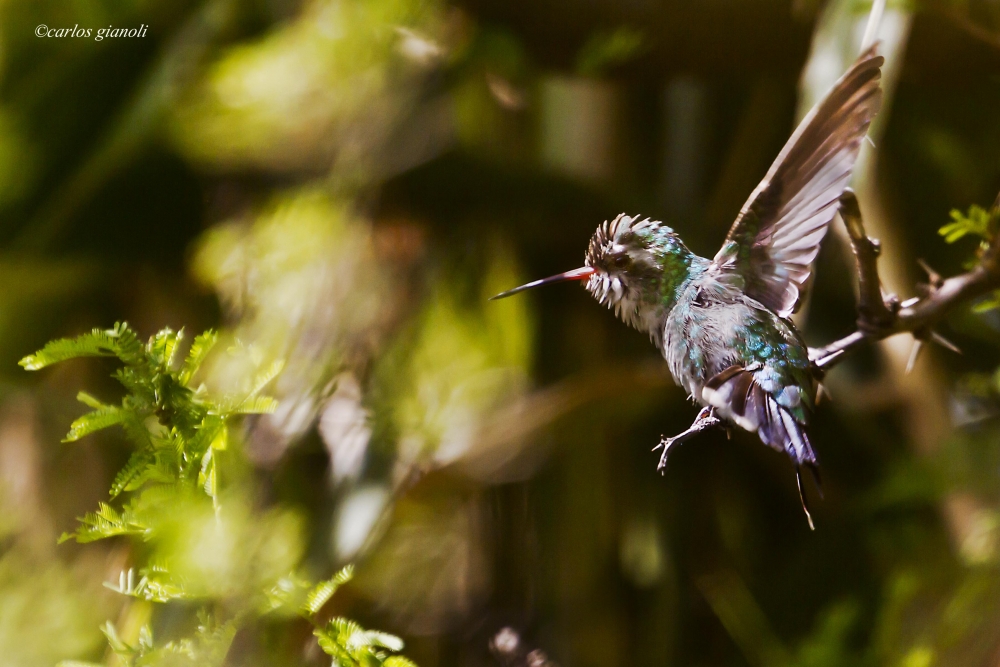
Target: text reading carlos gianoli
x=78 y=32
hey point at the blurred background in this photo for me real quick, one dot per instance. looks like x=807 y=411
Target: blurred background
x=342 y=183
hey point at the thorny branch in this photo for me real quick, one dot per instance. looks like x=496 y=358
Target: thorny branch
x=881 y=316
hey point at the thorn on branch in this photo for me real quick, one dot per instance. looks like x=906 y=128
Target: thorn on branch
x=944 y=342
x=934 y=279
x=914 y=354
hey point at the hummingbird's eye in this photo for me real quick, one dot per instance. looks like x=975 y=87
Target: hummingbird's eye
x=620 y=261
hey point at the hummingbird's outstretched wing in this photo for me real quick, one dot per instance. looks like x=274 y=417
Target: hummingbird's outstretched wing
x=776 y=236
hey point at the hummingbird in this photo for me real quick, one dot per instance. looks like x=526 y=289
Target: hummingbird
x=722 y=324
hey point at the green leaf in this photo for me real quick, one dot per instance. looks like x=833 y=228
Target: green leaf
x=247 y=403
x=261 y=405
x=263 y=378
x=156 y=585
x=163 y=345
x=136 y=430
x=120 y=341
x=89 y=400
x=211 y=429
x=108 y=522
x=200 y=348
x=97 y=420
x=398 y=661
x=334 y=640
x=145 y=465
x=987 y=303
x=116 y=644
x=207 y=478
x=323 y=591
x=96 y=344
x=978 y=222
x=605 y=50
x=350 y=644
x=287 y=592
x=136 y=466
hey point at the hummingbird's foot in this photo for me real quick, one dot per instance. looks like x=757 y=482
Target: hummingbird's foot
x=705 y=419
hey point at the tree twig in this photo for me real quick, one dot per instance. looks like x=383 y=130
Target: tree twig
x=705 y=419
x=881 y=316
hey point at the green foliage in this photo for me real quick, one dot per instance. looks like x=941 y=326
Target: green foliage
x=155 y=584
x=176 y=428
x=196 y=550
x=350 y=645
x=323 y=591
x=109 y=522
x=119 y=341
x=208 y=646
x=605 y=50
x=977 y=222
x=981 y=223
x=293 y=593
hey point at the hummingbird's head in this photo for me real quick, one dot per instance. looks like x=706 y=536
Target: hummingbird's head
x=635 y=263
x=633 y=266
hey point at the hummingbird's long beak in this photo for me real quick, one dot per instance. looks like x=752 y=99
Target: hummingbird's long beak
x=582 y=273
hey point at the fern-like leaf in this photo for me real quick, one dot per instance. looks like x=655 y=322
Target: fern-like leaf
x=94 y=344
x=163 y=345
x=127 y=346
x=90 y=401
x=146 y=465
x=977 y=222
x=349 y=644
x=211 y=430
x=398 y=661
x=288 y=592
x=136 y=466
x=97 y=420
x=207 y=476
x=260 y=405
x=263 y=378
x=323 y=591
x=108 y=522
x=200 y=348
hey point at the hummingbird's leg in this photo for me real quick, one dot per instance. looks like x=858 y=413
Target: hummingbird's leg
x=706 y=419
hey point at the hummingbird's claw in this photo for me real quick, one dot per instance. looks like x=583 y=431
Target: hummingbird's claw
x=661 y=467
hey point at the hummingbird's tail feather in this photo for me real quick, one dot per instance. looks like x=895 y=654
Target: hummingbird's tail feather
x=737 y=396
